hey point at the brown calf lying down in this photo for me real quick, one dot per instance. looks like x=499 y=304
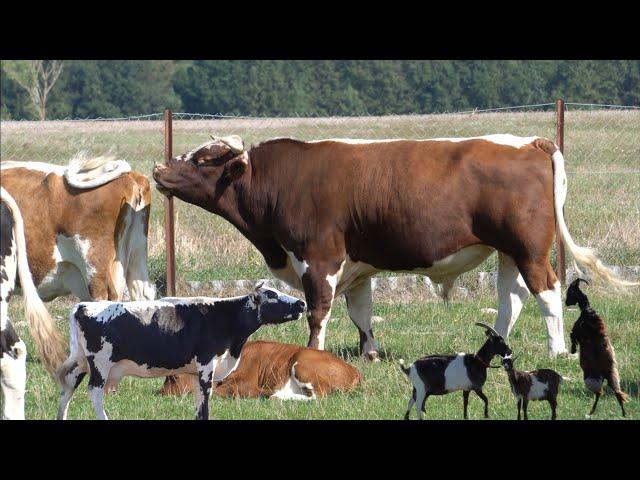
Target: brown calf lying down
x=279 y=370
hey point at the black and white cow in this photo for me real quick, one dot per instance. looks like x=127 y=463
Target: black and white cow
x=13 y=352
x=199 y=335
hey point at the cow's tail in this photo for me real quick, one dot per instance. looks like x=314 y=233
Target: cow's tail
x=582 y=256
x=49 y=343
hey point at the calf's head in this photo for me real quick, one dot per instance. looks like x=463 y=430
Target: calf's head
x=276 y=307
x=201 y=175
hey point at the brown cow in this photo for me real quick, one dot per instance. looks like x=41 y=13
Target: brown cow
x=279 y=370
x=86 y=227
x=326 y=215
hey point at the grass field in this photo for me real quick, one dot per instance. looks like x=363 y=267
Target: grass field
x=602 y=150
x=409 y=330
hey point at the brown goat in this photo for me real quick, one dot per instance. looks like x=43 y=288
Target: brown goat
x=597 y=357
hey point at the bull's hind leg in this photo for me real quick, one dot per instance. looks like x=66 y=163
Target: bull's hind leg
x=360 y=307
x=542 y=281
x=512 y=293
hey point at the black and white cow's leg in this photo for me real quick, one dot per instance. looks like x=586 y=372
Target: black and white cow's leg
x=319 y=287
x=360 y=307
x=203 y=381
x=512 y=293
x=13 y=369
x=70 y=376
x=99 y=367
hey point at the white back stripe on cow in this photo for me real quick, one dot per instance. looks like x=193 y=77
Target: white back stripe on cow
x=498 y=139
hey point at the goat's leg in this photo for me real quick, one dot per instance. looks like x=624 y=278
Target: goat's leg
x=620 y=396
x=465 y=399
x=485 y=400
x=412 y=400
x=519 y=407
x=598 y=394
x=554 y=403
x=614 y=383
x=422 y=405
x=525 y=404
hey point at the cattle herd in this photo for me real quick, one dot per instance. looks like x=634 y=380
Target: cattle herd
x=326 y=215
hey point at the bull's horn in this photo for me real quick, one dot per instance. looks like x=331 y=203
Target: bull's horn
x=491 y=329
x=234 y=142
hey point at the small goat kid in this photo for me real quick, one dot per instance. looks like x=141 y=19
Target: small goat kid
x=442 y=374
x=542 y=384
x=597 y=357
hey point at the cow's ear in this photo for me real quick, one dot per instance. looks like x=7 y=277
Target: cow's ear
x=237 y=166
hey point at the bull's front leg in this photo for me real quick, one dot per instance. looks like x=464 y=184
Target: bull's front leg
x=319 y=282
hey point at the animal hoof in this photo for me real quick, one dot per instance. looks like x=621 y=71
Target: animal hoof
x=372 y=356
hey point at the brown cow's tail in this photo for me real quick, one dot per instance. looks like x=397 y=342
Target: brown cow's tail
x=49 y=343
x=583 y=256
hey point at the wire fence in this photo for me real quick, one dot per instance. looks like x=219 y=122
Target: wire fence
x=602 y=149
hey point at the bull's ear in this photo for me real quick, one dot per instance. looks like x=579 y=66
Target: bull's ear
x=236 y=167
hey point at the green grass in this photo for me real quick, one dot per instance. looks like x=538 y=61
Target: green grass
x=408 y=331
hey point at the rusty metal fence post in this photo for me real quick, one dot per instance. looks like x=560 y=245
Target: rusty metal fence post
x=560 y=253
x=168 y=210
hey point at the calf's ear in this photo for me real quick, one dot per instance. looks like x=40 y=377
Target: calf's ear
x=236 y=167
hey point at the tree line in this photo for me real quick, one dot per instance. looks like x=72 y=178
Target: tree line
x=114 y=88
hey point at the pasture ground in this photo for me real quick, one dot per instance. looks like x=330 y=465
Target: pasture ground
x=602 y=151
x=409 y=331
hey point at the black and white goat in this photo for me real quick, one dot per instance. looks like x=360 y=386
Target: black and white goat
x=542 y=384
x=442 y=374
x=201 y=336
x=597 y=357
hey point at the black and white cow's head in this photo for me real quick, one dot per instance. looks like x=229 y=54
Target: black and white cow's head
x=276 y=307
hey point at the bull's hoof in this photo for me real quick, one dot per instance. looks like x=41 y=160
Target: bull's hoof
x=372 y=356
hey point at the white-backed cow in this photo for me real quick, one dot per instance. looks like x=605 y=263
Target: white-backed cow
x=279 y=370
x=86 y=226
x=199 y=336
x=327 y=215
x=13 y=352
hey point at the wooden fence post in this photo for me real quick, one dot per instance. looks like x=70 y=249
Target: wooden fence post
x=169 y=237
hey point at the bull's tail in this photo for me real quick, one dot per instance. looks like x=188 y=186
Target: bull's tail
x=583 y=256
x=49 y=343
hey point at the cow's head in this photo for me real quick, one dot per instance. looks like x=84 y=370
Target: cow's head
x=276 y=307
x=201 y=175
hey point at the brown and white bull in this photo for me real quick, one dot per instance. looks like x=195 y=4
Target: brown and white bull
x=86 y=226
x=327 y=215
x=279 y=370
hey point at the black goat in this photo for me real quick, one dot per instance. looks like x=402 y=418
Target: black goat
x=542 y=384
x=442 y=374
x=597 y=357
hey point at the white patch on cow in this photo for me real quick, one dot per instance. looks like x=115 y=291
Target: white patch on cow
x=538 y=389
x=323 y=330
x=333 y=280
x=103 y=311
x=499 y=139
x=455 y=375
x=13 y=379
x=299 y=266
x=550 y=303
x=293 y=389
x=463 y=260
x=226 y=365
x=10 y=269
x=36 y=166
x=75 y=250
x=512 y=293
x=89 y=172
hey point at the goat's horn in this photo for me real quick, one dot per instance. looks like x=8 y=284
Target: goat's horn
x=583 y=280
x=491 y=329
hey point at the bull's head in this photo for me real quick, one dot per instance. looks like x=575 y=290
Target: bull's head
x=201 y=175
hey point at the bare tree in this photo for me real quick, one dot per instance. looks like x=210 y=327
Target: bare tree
x=37 y=77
